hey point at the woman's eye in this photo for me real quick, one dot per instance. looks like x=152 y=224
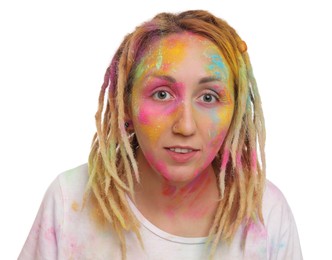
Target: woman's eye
x=209 y=98
x=162 y=95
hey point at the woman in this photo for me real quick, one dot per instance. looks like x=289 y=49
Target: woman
x=174 y=170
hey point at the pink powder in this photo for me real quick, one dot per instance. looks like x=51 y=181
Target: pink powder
x=257 y=230
x=254 y=160
x=50 y=234
x=158 y=165
x=169 y=190
x=170 y=212
x=143 y=117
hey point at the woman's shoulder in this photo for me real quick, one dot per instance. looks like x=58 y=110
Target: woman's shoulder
x=275 y=206
x=272 y=193
x=68 y=186
x=74 y=179
x=279 y=224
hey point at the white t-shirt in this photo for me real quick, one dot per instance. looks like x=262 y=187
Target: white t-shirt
x=62 y=230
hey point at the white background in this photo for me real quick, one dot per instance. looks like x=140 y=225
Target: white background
x=53 y=55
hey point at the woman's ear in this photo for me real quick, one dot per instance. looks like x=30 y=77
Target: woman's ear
x=128 y=122
x=129 y=125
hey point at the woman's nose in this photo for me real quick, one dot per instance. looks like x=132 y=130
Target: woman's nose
x=185 y=123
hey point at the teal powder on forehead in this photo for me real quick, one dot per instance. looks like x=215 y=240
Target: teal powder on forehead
x=217 y=60
x=217 y=65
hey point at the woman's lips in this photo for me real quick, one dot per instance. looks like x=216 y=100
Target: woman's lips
x=182 y=154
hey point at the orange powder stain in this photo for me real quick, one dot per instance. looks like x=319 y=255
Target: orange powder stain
x=157 y=125
x=225 y=114
x=152 y=132
x=169 y=52
x=75 y=206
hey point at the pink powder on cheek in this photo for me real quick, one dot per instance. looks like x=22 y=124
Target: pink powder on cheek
x=152 y=112
x=146 y=111
x=143 y=117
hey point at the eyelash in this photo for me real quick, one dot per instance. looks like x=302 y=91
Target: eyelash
x=216 y=97
x=155 y=95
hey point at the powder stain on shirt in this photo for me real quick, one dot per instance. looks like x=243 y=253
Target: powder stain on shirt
x=75 y=206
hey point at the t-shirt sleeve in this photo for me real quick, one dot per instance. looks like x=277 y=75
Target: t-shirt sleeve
x=42 y=241
x=283 y=238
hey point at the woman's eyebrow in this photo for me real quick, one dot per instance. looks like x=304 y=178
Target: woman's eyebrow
x=209 y=79
x=173 y=80
x=164 y=77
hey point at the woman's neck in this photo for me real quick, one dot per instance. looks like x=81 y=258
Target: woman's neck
x=175 y=207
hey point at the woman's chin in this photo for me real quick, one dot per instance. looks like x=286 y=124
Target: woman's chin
x=180 y=177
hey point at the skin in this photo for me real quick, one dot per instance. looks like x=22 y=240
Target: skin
x=183 y=96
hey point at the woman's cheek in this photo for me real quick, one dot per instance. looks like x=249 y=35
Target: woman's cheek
x=153 y=120
x=219 y=124
x=157 y=164
x=146 y=113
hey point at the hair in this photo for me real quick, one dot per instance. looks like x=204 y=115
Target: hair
x=240 y=160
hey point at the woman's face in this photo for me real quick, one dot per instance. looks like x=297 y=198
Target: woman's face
x=181 y=105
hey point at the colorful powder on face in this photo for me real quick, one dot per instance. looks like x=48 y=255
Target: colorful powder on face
x=153 y=133
x=218 y=138
x=216 y=67
x=143 y=116
x=169 y=52
x=157 y=164
x=159 y=59
x=153 y=119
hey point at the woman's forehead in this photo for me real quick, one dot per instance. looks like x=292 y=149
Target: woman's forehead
x=178 y=42
x=167 y=51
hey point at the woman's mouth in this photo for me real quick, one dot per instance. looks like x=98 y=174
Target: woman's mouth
x=181 y=150
x=182 y=154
